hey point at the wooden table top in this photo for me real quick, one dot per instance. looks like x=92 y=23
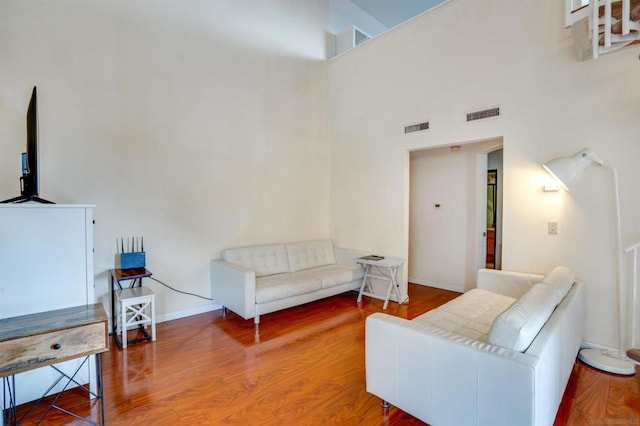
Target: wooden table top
x=130 y=274
x=46 y=322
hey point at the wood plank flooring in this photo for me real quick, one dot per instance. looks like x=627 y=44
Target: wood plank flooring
x=305 y=368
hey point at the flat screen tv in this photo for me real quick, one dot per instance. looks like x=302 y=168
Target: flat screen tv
x=29 y=180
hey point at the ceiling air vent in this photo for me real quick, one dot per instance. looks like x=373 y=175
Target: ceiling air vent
x=416 y=127
x=487 y=113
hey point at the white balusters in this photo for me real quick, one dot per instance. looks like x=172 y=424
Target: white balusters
x=634 y=251
x=609 y=25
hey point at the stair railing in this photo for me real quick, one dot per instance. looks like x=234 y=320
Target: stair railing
x=601 y=24
x=634 y=251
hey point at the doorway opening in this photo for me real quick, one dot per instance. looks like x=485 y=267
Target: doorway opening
x=492 y=179
x=450 y=216
x=494 y=210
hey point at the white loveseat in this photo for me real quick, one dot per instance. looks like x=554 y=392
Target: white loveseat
x=256 y=280
x=500 y=354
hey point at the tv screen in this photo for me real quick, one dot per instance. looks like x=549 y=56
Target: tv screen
x=29 y=180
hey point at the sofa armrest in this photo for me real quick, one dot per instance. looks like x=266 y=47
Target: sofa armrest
x=347 y=256
x=512 y=284
x=234 y=287
x=431 y=373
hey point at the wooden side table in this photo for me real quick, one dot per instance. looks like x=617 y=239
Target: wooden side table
x=385 y=269
x=127 y=279
x=43 y=339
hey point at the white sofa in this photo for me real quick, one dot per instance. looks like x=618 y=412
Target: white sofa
x=257 y=280
x=500 y=354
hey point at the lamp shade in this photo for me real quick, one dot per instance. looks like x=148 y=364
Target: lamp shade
x=568 y=170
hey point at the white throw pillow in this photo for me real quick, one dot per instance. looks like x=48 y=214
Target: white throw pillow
x=561 y=279
x=516 y=327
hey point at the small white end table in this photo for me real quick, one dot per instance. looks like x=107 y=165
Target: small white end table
x=385 y=269
x=135 y=308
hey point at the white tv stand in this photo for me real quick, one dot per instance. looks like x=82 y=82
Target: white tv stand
x=46 y=259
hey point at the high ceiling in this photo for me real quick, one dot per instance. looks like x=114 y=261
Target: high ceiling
x=393 y=12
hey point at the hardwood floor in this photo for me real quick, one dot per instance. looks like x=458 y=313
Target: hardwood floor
x=593 y=397
x=305 y=368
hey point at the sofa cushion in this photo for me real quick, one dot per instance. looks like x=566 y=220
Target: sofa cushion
x=561 y=279
x=469 y=315
x=310 y=254
x=264 y=260
x=282 y=286
x=517 y=326
x=333 y=275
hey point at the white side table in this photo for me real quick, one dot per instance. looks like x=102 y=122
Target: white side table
x=135 y=308
x=385 y=269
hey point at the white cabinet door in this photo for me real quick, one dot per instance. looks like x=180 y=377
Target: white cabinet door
x=46 y=263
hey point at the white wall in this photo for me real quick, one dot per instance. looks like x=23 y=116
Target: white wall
x=440 y=198
x=468 y=55
x=200 y=125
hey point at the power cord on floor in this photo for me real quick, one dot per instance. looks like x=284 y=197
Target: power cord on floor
x=180 y=291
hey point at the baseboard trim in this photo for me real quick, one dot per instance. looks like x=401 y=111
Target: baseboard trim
x=434 y=284
x=187 y=312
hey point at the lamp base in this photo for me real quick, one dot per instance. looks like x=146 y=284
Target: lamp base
x=606 y=361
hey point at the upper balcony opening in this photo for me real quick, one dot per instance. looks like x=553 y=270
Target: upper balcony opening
x=353 y=22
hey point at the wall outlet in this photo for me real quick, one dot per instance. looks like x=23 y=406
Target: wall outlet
x=552 y=228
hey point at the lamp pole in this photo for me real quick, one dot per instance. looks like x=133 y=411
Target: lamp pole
x=607 y=360
x=568 y=171
x=619 y=272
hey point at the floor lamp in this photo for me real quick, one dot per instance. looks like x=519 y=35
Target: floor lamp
x=568 y=171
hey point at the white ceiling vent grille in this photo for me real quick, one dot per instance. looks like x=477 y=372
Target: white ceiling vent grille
x=416 y=127
x=486 y=113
